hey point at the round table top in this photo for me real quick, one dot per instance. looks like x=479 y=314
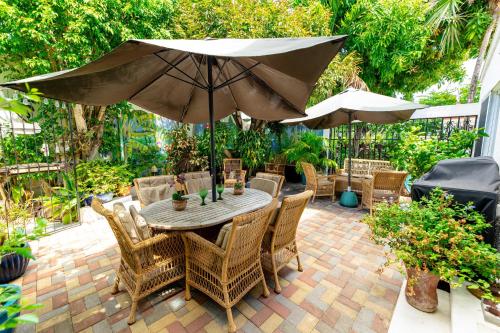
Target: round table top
x=162 y=216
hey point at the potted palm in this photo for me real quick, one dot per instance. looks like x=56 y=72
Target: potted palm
x=435 y=239
x=309 y=148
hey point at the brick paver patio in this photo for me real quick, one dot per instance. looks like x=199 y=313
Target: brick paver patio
x=338 y=291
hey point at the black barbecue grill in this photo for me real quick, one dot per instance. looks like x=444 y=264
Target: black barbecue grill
x=475 y=180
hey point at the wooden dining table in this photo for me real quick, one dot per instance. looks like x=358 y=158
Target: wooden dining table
x=161 y=216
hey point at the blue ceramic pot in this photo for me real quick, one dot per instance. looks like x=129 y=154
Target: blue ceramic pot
x=3 y=314
x=13 y=266
x=105 y=197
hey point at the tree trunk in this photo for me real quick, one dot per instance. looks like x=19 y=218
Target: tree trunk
x=99 y=131
x=480 y=58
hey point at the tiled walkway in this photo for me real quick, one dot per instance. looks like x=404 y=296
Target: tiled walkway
x=338 y=291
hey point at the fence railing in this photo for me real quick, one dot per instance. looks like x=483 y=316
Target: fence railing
x=372 y=141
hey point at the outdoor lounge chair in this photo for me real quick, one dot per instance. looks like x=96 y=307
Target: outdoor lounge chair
x=280 y=180
x=195 y=181
x=233 y=171
x=146 y=265
x=384 y=186
x=320 y=185
x=279 y=245
x=227 y=273
x=153 y=189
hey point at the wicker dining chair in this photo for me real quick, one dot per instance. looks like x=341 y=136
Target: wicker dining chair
x=279 y=246
x=266 y=185
x=153 y=189
x=226 y=274
x=382 y=187
x=280 y=180
x=232 y=171
x=195 y=181
x=146 y=265
x=322 y=186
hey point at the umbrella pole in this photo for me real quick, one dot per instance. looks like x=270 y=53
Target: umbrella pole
x=349 y=152
x=212 y=125
x=349 y=198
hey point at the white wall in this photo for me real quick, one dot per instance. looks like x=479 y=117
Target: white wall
x=490 y=89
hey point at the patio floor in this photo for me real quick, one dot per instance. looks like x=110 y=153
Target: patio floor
x=338 y=291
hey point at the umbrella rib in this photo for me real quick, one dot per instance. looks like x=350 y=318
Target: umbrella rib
x=226 y=60
x=197 y=68
x=235 y=78
x=155 y=79
x=185 y=108
x=229 y=87
x=261 y=82
x=195 y=82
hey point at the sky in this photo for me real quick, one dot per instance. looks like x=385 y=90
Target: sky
x=469 y=68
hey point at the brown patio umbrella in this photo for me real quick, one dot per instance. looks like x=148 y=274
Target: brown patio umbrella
x=197 y=81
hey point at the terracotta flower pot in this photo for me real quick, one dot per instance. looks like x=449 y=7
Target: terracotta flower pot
x=238 y=191
x=179 y=204
x=421 y=290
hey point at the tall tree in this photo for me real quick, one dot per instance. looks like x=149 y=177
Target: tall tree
x=37 y=37
x=462 y=23
x=398 y=49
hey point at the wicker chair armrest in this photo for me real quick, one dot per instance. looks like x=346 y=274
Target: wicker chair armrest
x=192 y=239
x=367 y=186
x=151 y=242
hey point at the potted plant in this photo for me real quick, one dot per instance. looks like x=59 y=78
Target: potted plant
x=179 y=202
x=15 y=252
x=436 y=239
x=238 y=187
x=10 y=309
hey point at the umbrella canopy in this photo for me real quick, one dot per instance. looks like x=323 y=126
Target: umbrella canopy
x=199 y=80
x=11 y=123
x=269 y=79
x=359 y=105
x=355 y=105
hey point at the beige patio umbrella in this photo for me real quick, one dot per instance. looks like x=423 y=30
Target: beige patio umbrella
x=198 y=81
x=355 y=105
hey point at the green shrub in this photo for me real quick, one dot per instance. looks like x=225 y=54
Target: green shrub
x=99 y=177
x=418 y=155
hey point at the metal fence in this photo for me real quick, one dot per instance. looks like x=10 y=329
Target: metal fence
x=372 y=141
x=37 y=170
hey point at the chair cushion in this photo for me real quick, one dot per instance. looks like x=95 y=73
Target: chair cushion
x=156 y=193
x=194 y=185
x=140 y=223
x=223 y=236
x=127 y=222
x=266 y=185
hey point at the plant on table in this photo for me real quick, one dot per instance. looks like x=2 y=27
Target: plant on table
x=309 y=148
x=436 y=239
x=238 y=187
x=179 y=201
